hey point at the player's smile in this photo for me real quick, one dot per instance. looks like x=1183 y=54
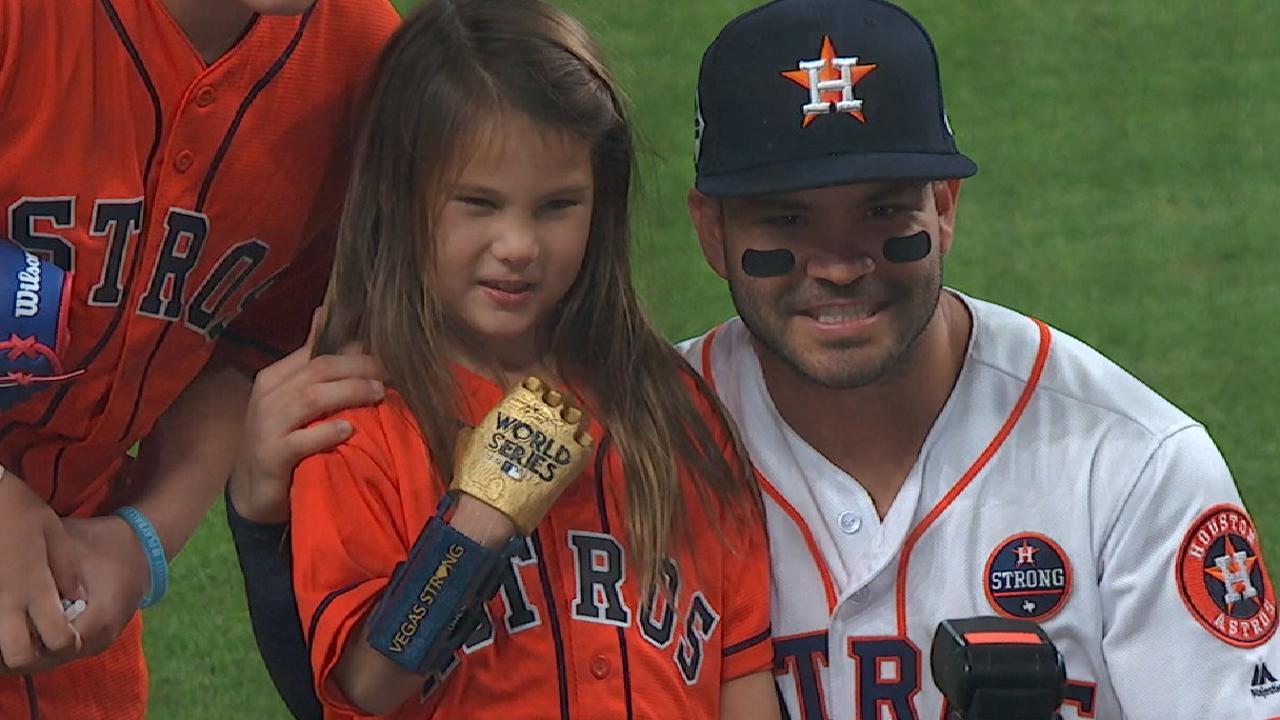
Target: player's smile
x=834 y=331
x=840 y=320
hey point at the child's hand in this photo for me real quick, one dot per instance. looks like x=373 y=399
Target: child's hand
x=38 y=567
x=278 y=433
x=115 y=574
x=524 y=453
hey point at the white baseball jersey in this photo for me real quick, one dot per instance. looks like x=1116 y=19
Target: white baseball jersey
x=1053 y=487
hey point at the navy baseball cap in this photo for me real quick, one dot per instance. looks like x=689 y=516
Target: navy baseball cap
x=800 y=94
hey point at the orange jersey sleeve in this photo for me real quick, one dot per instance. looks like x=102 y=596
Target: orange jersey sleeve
x=350 y=529
x=748 y=638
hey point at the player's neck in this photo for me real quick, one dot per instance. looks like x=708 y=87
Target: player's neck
x=875 y=433
x=213 y=26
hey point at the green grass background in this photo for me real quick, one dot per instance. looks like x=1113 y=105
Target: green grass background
x=1127 y=194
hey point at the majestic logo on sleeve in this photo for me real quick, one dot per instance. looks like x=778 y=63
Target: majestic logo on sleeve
x=1222 y=578
x=1264 y=683
x=1028 y=577
x=830 y=80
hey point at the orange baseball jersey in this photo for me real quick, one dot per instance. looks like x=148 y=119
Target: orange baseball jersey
x=176 y=194
x=173 y=193
x=567 y=634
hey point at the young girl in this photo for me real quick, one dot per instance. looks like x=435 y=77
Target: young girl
x=484 y=242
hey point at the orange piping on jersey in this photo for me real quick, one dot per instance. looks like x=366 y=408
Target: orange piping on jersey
x=707 y=374
x=828 y=587
x=1014 y=415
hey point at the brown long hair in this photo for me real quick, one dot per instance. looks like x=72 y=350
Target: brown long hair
x=453 y=61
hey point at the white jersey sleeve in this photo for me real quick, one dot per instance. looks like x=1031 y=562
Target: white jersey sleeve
x=1183 y=563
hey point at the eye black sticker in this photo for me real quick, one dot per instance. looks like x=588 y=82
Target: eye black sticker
x=768 y=263
x=908 y=249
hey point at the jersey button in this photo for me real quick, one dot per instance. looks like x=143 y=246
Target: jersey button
x=206 y=96
x=850 y=522
x=600 y=667
x=183 y=161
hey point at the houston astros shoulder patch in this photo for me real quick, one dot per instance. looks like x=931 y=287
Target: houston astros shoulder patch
x=1222 y=578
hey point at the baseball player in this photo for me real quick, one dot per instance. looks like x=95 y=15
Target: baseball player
x=924 y=454
x=167 y=165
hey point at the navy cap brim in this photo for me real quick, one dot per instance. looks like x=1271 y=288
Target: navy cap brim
x=836 y=169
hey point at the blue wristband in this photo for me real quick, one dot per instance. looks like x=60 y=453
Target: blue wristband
x=155 y=553
x=436 y=598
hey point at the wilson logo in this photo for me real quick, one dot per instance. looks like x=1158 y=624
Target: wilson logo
x=26 y=302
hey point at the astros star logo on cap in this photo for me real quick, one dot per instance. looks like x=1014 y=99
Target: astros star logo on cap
x=830 y=80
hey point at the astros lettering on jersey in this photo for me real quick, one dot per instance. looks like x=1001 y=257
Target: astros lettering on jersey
x=174 y=194
x=568 y=634
x=1053 y=487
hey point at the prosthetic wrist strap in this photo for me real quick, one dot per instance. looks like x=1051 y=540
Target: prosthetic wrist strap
x=34 y=301
x=436 y=596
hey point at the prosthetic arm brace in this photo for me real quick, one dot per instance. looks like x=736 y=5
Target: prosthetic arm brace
x=34 y=302
x=435 y=597
x=518 y=460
